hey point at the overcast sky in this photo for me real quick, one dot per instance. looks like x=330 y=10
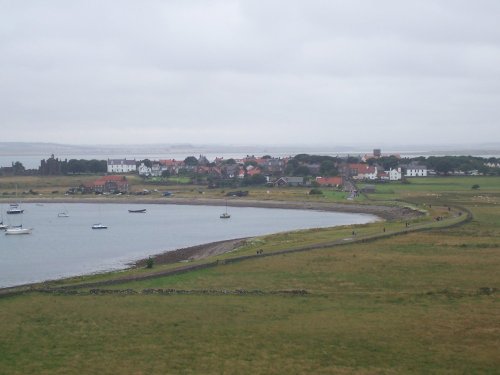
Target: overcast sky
x=250 y=72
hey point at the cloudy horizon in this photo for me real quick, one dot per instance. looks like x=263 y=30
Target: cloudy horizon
x=248 y=72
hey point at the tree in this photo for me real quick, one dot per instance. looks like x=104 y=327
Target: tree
x=443 y=166
x=302 y=171
x=97 y=166
x=256 y=179
x=328 y=168
x=191 y=161
x=146 y=162
x=18 y=168
x=76 y=166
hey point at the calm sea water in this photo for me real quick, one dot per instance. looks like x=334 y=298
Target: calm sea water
x=63 y=247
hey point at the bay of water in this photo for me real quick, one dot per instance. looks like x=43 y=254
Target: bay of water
x=63 y=247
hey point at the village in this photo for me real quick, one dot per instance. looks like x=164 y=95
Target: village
x=302 y=170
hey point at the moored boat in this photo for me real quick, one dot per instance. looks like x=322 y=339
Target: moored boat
x=18 y=230
x=140 y=211
x=14 y=209
x=225 y=214
x=63 y=213
x=99 y=226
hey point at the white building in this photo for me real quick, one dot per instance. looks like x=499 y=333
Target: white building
x=157 y=170
x=395 y=174
x=144 y=170
x=414 y=170
x=121 y=166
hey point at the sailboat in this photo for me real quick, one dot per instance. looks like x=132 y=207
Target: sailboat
x=2 y=225
x=99 y=225
x=63 y=213
x=225 y=215
x=18 y=230
x=14 y=208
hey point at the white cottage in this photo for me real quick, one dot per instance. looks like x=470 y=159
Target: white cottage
x=395 y=174
x=144 y=170
x=414 y=170
x=121 y=166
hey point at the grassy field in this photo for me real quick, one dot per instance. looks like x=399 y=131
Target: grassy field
x=419 y=303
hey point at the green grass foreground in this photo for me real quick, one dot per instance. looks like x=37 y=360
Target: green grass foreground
x=424 y=302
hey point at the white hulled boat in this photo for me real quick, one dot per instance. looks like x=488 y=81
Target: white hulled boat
x=18 y=230
x=14 y=208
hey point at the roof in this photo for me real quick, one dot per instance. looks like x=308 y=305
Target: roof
x=253 y=171
x=121 y=162
x=362 y=168
x=329 y=180
x=294 y=179
x=171 y=162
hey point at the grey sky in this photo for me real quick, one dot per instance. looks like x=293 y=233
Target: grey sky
x=250 y=72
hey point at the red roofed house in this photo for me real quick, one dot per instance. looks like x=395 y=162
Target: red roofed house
x=111 y=184
x=360 y=171
x=330 y=181
x=172 y=165
x=252 y=171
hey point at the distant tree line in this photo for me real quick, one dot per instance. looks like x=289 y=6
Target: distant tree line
x=53 y=166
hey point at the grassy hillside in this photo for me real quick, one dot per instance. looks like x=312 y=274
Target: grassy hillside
x=419 y=303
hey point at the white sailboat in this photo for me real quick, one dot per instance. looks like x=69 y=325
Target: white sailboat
x=15 y=208
x=225 y=215
x=99 y=225
x=18 y=230
x=2 y=225
x=63 y=213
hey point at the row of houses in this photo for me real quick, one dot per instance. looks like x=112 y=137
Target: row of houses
x=360 y=171
x=269 y=167
x=240 y=168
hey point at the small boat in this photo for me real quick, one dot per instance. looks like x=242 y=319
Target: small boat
x=14 y=209
x=225 y=215
x=18 y=230
x=63 y=213
x=99 y=226
x=140 y=211
x=2 y=225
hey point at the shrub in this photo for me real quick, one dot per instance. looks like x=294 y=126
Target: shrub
x=475 y=186
x=315 y=192
x=150 y=262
